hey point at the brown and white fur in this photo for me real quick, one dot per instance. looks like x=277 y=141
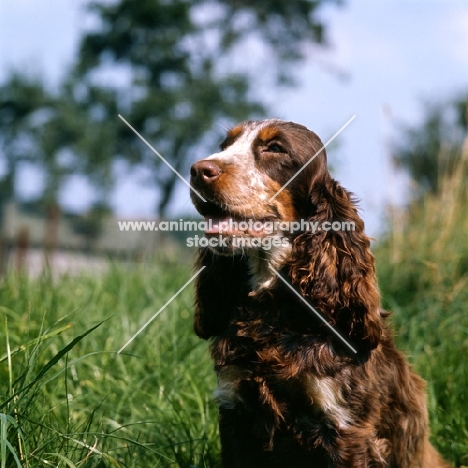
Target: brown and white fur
x=290 y=393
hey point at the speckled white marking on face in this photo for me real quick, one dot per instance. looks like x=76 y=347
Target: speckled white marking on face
x=256 y=181
x=240 y=157
x=248 y=189
x=241 y=150
x=241 y=154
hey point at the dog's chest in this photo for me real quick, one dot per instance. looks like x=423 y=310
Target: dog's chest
x=305 y=395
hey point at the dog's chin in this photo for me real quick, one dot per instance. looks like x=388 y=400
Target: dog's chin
x=229 y=245
x=244 y=245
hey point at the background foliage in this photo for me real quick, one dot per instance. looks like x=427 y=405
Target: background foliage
x=172 y=69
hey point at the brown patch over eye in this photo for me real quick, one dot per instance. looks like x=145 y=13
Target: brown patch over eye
x=269 y=140
x=232 y=136
x=268 y=133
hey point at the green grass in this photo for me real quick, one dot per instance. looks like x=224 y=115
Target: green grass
x=423 y=269
x=70 y=400
x=67 y=399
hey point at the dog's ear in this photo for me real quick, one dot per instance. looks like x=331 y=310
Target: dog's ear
x=334 y=267
x=218 y=291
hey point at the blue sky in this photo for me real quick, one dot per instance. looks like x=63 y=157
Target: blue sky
x=394 y=54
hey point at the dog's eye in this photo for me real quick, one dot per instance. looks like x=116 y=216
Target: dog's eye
x=275 y=148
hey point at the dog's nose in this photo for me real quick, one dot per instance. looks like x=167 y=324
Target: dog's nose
x=205 y=171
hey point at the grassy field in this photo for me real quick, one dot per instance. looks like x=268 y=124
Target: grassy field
x=67 y=399
x=423 y=270
x=70 y=400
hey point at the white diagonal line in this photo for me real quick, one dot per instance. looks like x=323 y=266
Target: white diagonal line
x=312 y=158
x=162 y=159
x=314 y=311
x=161 y=309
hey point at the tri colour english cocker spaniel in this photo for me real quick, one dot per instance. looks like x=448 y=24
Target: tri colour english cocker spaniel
x=308 y=374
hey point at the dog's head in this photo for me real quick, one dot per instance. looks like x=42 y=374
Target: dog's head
x=258 y=183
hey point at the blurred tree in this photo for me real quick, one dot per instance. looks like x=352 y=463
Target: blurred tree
x=59 y=132
x=177 y=69
x=431 y=151
x=77 y=138
x=173 y=69
x=21 y=99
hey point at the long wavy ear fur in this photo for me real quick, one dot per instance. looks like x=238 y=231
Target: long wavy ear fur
x=219 y=291
x=335 y=269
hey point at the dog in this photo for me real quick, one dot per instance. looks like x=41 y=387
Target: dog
x=308 y=373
